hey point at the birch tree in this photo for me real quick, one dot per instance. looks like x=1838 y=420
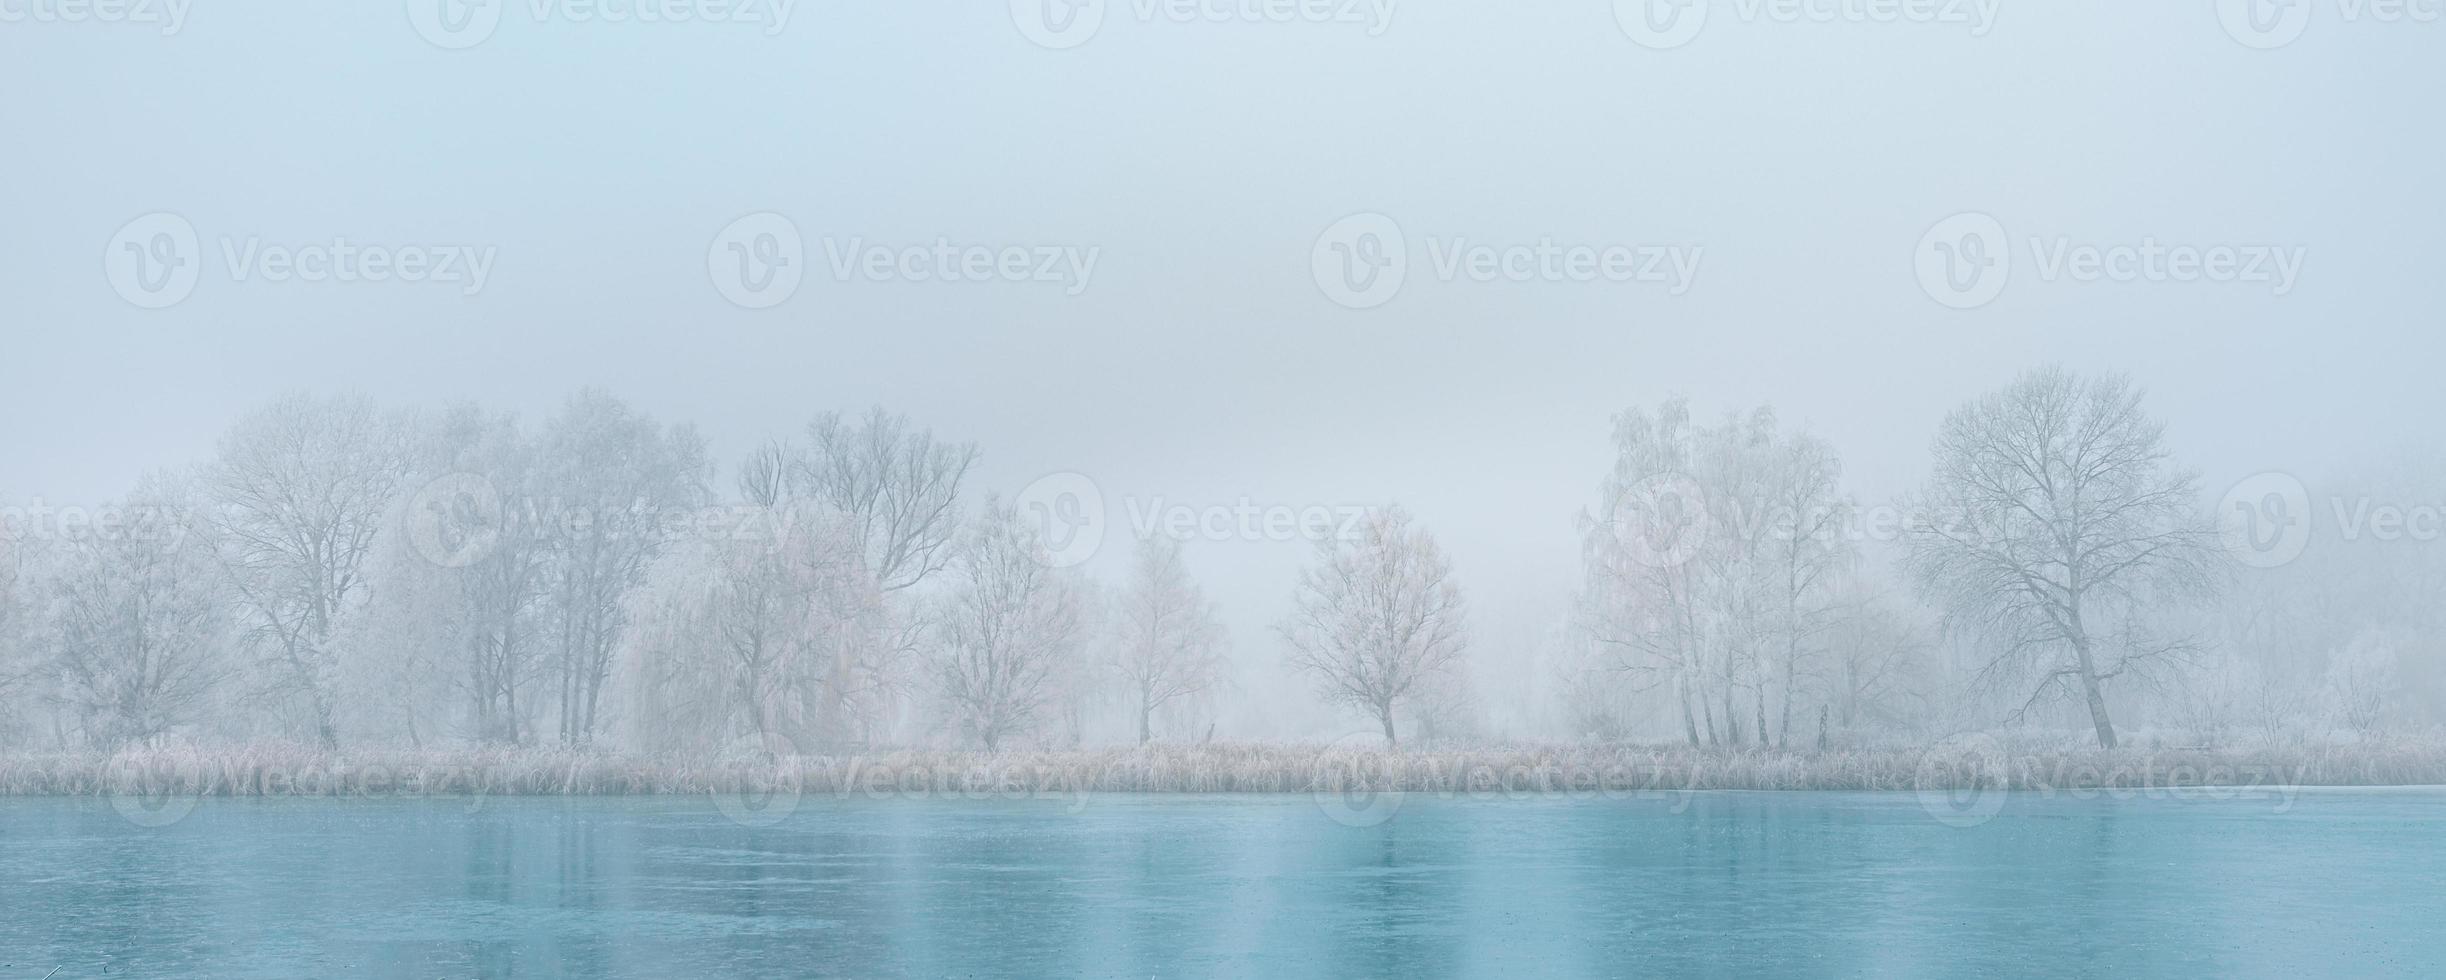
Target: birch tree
x=1378 y=619
x=1711 y=564
x=1168 y=641
x=2056 y=516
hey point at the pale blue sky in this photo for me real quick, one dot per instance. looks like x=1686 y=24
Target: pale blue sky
x=1203 y=363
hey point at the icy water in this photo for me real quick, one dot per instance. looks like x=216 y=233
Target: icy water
x=2335 y=883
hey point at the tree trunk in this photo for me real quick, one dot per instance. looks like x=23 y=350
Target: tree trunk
x=1690 y=722
x=2095 y=696
x=1384 y=713
x=1144 y=709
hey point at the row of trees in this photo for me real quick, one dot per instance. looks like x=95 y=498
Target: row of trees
x=2058 y=562
x=342 y=574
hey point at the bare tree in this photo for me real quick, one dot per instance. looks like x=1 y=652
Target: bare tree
x=301 y=489
x=1377 y=619
x=1641 y=601
x=19 y=662
x=1876 y=658
x=1005 y=632
x=138 y=625
x=2361 y=680
x=2055 y=513
x=1711 y=564
x=1806 y=559
x=736 y=635
x=1168 y=641
x=615 y=479
x=478 y=567
x=897 y=488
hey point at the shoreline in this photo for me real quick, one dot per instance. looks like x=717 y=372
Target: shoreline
x=1974 y=762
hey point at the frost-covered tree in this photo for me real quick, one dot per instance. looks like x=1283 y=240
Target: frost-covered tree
x=1168 y=643
x=619 y=485
x=138 y=627
x=300 y=491
x=1876 y=668
x=1377 y=619
x=2056 y=519
x=898 y=486
x=895 y=490
x=735 y=637
x=1008 y=631
x=19 y=661
x=1711 y=566
x=474 y=569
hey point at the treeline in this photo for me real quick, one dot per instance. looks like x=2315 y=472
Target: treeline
x=342 y=575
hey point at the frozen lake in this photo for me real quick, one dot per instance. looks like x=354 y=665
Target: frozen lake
x=2333 y=883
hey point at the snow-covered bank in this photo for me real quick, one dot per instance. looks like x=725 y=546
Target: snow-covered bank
x=279 y=770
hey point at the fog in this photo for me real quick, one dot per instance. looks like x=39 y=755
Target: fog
x=1788 y=173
